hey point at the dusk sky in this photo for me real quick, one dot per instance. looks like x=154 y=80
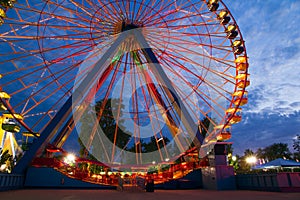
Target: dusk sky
x=271 y=31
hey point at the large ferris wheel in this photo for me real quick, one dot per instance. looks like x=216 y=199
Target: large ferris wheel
x=138 y=81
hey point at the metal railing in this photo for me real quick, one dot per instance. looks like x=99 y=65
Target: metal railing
x=11 y=181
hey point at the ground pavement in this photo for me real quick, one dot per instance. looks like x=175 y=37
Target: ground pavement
x=78 y=194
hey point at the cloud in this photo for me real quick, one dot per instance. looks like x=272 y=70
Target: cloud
x=272 y=36
x=261 y=130
x=270 y=29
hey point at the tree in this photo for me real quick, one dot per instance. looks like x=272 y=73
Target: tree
x=243 y=166
x=109 y=127
x=296 y=147
x=6 y=158
x=276 y=150
x=232 y=162
x=260 y=153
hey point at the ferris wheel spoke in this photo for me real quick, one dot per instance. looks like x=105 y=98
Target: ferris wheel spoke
x=186 y=21
x=180 y=43
x=200 y=94
x=55 y=106
x=117 y=118
x=219 y=60
x=52 y=16
x=216 y=88
x=53 y=81
x=157 y=12
x=51 y=95
x=42 y=79
x=152 y=91
x=111 y=11
x=70 y=11
x=77 y=5
x=152 y=114
x=166 y=14
x=51 y=48
x=182 y=58
x=105 y=99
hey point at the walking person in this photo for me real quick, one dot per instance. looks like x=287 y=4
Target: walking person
x=120 y=182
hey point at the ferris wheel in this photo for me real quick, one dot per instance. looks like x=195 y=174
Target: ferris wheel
x=137 y=81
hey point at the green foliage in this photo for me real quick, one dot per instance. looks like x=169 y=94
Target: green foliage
x=5 y=156
x=296 y=144
x=231 y=161
x=104 y=113
x=274 y=151
x=109 y=125
x=243 y=166
x=151 y=146
x=296 y=147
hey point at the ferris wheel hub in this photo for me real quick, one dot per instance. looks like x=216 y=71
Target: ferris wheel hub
x=128 y=26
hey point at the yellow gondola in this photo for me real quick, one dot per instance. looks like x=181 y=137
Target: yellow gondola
x=235 y=119
x=13 y=116
x=11 y=127
x=2 y=107
x=242 y=66
x=226 y=135
x=243 y=84
x=240 y=59
x=213 y=5
x=237 y=43
x=240 y=93
x=221 y=126
x=2 y=13
x=241 y=101
x=223 y=17
x=222 y=14
x=242 y=76
x=4 y=95
x=231 y=27
x=231 y=110
x=29 y=134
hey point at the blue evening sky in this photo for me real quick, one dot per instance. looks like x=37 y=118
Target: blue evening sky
x=272 y=34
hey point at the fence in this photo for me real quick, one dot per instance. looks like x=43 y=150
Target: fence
x=11 y=181
x=284 y=181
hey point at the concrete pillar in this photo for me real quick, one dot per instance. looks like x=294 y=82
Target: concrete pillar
x=218 y=175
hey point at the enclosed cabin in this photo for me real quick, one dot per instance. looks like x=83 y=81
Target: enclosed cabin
x=2 y=16
x=224 y=17
x=224 y=132
x=234 y=115
x=3 y=96
x=241 y=64
x=27 y=135
x=242 y=80
x=238 y=46
x=10 y=123
x=240 y=97
x=2 y=107
x=231 y=31
x=212 y=5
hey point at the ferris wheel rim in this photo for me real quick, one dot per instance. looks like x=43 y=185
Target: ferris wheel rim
x=231 y=105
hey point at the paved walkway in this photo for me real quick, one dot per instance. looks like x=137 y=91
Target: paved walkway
x=157 y=195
